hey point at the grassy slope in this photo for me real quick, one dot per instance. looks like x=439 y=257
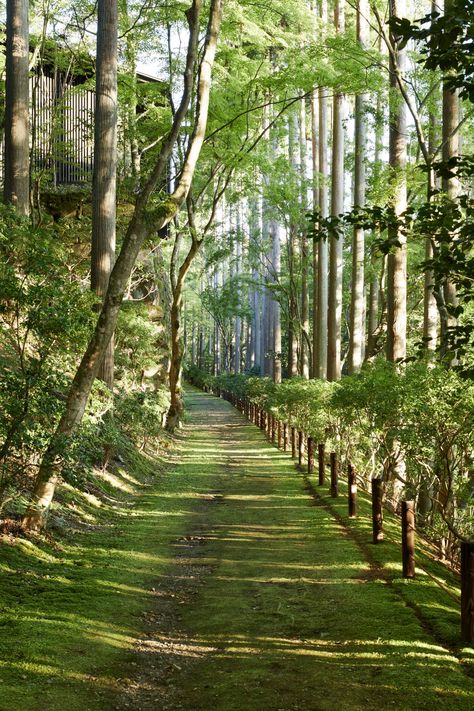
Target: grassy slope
x=69 y=612
x=292 y=614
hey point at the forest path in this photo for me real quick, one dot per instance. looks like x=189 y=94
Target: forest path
x=269 y=604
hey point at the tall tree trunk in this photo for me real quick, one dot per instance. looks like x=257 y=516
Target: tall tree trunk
x=450 y=185
x=304 y=351
x=292 y=257
x=315 y=169
x=138 y=230
x=276 y=268
x=105 y=165
x=238 y=320
x=357 y=314
x=397 y=259
x=337 y=207
x=323 y=246
x=430 y=311
x=16 y=186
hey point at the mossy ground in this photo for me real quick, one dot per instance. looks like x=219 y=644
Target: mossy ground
x=284 y=606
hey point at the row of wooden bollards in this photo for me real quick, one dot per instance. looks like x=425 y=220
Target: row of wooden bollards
x=285 y=436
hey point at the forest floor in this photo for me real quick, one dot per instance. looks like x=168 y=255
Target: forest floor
x=227 y=582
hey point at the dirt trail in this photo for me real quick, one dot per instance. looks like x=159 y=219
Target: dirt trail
x=268 y=605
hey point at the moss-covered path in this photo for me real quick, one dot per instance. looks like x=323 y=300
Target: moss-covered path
x=271 y=604
x=222 y=584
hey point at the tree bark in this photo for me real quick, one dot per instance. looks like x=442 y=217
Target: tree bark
x=315 y=169
x=336 y=242
x=238 y=320
x=138 y=230
x=276 y=267
x=357 y=312
x=16 y=186
x=397 y=259
x=104 y=183
x=450 y=185
x=323 y=247
x=175 y=410
x=292 y=255
x=430 y=311
x=304 y=350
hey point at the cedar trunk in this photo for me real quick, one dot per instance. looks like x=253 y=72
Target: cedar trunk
x=16 y=188
x=105 y=165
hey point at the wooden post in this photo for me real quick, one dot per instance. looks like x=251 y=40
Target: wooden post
x=293 y=442
x=321 y=470
x=334 y=476
x=408 y=538
x=300 y=448
x=285 y=436
x=467 y=591
x=310 y=455
x=279 y=434
x=352 y=482
x=377 y=510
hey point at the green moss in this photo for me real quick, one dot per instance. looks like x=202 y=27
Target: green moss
x=284 y=609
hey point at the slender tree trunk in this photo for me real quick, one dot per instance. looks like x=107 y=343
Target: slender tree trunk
x=397 y=260
x=276 y=267
x=16 y=186
x=137 y=232
x=357 y=314
x=450 y=185
x=304 y=351
x=430 y=311
x=238 y=320
x=323 y=247
x=376 y=289
x=337 y=207
x=373 y=310
x=105 y=165
x=315 y=168
x=292 y=256
x=176 y=362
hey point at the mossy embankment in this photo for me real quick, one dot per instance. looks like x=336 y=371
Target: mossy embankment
x=224 y=584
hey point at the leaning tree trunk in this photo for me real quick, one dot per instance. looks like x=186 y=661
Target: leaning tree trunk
x=138 y=230
x=104 y=184
x=16 y=187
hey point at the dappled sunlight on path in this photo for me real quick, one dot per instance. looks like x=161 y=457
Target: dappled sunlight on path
x=275 y=607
